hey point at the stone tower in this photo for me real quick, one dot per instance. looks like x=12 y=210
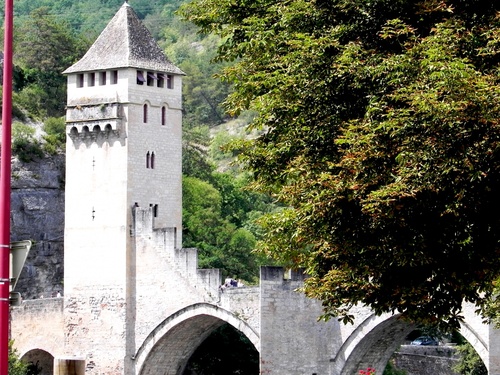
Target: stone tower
x=123 y=155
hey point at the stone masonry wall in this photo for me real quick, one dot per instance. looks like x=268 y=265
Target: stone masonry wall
x=244 y=303
x=292 y=340
x=426 y=360
x=164 y=280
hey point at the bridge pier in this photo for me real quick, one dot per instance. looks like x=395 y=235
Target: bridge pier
x=292 y=340
x=69 y=366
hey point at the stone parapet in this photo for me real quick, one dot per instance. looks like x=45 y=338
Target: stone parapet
x=244 y=303
x=39 y=324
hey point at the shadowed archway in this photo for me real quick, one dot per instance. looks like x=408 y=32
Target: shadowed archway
x=375 y=340
x=373 y=343
x=40 y=359
x=168 y=348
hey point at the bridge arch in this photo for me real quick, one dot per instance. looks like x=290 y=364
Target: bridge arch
x=476 y=340
x=170 y=345
x=375 y=339
x=372 y=343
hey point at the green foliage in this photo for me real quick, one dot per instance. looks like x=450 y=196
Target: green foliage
x=31 y=98
x=83 y=17
x=16 y=366
x=390 y=369
x=213 y=220
x=469 y=363
x=219 y=213
x=24 y=143
x=55 y=138
x=201 y=208
x=203 y=95
x=195 y=143
x=218 y=146
x=45 y=47
x=17 y=111
x=381 y=134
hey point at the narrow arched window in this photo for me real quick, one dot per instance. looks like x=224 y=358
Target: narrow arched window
x=163 y=115
x=148 y=160
x=145 y=113
x=152 y=163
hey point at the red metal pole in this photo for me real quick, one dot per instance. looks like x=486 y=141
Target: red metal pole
x=5 y=173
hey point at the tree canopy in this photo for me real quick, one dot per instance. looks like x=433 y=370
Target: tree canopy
x=44 y=47
x=380 y=125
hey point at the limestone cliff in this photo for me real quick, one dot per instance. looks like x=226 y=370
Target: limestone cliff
x=37 y=214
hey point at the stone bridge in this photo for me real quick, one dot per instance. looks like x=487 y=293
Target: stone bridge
x=280 y=323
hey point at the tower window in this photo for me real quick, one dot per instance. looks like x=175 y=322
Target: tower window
x=151 y=78
x=145 y=113
x=91 y=79
x=79 y=80
x=140 y=78
x=150 y=160
x=154 y=208
x=163 y=115
x=170 y=81
x=114 y=77
x=161 y=80
x=102 y=78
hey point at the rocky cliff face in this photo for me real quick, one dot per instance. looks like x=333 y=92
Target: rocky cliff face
x=37 y=214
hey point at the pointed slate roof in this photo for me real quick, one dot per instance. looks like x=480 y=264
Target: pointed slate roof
x=125 y=42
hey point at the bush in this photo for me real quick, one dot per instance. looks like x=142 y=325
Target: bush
x=24 y=144
x=55 y=138
x=16 y=366
x=32 y=98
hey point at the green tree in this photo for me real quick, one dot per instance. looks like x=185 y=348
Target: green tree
x=195 y=143
x=202 y=94
x=88 y=16
x=201 y=212
x=45 y=47
x=16 y=366
x=381 y=134
x=469 y=362
x=217 y=220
